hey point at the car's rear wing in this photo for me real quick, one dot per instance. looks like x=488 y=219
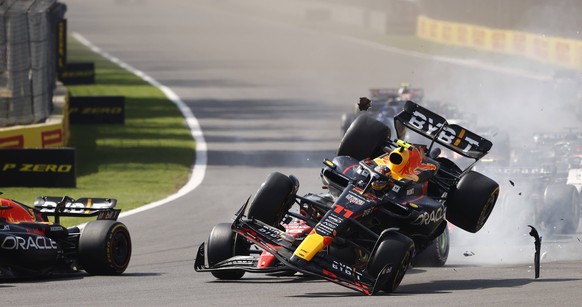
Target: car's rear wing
x=58 y=206
x=436 y=128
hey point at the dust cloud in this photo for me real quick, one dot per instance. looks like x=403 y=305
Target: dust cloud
x=521 y=99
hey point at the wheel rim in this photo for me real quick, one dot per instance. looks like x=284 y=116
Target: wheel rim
x=443 y=246
x=402 y=269
x=488 y=209
x=120 y=249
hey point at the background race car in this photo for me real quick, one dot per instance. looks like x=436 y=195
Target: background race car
x=385 y=104
x=540 y=185
x=33 y=246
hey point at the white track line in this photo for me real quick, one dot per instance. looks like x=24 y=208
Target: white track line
x=199 y=168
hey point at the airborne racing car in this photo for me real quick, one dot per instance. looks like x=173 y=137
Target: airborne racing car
x=387 y=203
x=33 y=246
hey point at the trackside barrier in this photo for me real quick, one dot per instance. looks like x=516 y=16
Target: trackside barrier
x=35 y=155
x=71 y=73
x=33 y=136
x=558 y=51
x=54 y=132
x=48 y=167
x=96 y=109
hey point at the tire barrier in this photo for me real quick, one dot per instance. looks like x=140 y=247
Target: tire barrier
x=28 y=54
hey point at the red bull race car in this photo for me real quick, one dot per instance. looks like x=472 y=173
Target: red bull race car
x=33 y=246
x=387 y=203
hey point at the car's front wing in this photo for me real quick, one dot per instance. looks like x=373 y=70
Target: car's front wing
x=282 y=246
x=244 y=263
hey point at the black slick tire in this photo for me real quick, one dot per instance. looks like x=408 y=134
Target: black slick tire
x=272 y=199
x=222 y=244
x=104 y=247
x=470 y=204
x=395 y=253
x=365 y=138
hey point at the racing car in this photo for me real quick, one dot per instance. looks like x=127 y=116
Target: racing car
x=33 y=246
x=385 y=104
x=541 y=182
x=386 y=203
x=574 y=154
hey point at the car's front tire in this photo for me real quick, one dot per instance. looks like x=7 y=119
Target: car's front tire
x=222 y=244
x=390 y=260
x=273 y=199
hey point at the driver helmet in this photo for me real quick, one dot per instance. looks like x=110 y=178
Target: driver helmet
x=398 y=159
x=380 y=184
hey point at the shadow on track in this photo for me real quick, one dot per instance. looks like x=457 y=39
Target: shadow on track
x=447 y=286
x=440 y=287
x=8 y=282
x=272 y=280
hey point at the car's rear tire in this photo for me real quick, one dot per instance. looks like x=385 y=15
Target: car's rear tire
x=273 y=199
x=561 y=209
x=104 y=247
x=395 y=251
x=365 y=138
x=222 y=244
x=470 y=204
x=435 y=254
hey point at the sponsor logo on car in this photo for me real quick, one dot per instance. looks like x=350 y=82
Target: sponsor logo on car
x=432 y=217
x=27 y=243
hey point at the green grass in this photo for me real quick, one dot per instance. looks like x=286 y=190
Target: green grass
x=144 y=160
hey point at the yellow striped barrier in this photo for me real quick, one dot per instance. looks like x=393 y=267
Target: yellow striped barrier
x=558 y=51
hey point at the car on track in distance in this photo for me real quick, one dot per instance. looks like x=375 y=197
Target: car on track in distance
x=542 y=182
x=385 y=103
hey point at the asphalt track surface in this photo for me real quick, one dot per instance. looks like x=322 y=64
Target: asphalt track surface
x=268 y=97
